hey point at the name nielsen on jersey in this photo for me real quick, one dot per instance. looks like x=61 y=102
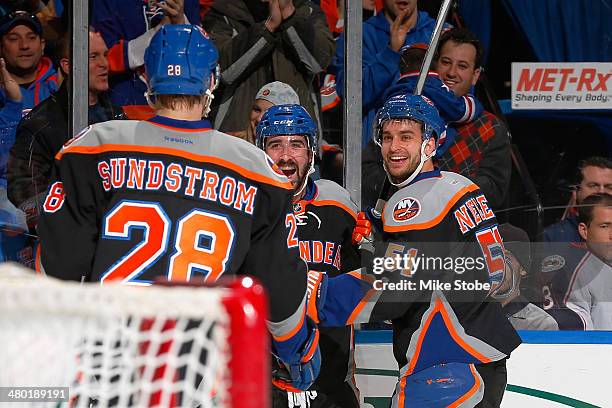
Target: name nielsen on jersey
x=151 y=175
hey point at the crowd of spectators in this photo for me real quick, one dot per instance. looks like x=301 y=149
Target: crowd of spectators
x=274 y=52
x=44 y=130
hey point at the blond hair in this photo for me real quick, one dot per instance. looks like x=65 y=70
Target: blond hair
x=176 y=102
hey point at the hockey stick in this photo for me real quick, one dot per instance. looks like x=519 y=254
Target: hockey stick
x=431 y=50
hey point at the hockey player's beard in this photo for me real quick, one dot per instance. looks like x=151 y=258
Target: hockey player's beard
x=399 y=174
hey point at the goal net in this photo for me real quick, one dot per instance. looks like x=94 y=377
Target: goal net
x=125 y=346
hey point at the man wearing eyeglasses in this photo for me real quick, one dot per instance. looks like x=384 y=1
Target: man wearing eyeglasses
x=324 y=216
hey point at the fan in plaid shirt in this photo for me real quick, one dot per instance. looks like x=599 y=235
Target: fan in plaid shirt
x=481 y=150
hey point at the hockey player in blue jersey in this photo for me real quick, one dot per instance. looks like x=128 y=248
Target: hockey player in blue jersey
x=440 y=334
x=136 y=201
x=324 y=216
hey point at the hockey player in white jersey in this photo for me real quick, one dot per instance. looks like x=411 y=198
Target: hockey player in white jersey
x=590 y=291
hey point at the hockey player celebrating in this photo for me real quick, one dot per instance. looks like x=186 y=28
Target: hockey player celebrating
x=444 y=321
x=135 y=201
x=325 y=218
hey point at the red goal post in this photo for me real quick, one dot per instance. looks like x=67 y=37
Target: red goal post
x=120 y=346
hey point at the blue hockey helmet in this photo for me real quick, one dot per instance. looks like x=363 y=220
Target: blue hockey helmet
x=283 y=120
x=420 y=109
x=416 y=107
x=181 y=60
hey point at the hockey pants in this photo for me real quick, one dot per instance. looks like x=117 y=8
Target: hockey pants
x=444 y=385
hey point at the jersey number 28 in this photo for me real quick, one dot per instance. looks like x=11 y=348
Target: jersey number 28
x=202 y=242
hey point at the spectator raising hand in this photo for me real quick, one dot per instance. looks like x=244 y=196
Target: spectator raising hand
x=12 y=221
x=280 y=10
x=399 y=29
x=44 y=130
x=127 y=27
x=175 y=11
x=287 y=8
x=261 y=42
x=32 y=79
x=275 y=18
x=400 y=24
x=8 y=84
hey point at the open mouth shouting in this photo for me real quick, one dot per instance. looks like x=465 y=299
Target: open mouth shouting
x=290 y=169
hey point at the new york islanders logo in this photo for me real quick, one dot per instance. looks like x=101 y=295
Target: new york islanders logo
x=406 y=209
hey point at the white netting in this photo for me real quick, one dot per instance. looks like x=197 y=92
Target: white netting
x=114 y=345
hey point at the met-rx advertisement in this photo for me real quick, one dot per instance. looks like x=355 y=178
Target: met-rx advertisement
x=562 y=85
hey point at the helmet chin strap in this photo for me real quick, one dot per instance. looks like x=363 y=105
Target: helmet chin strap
x=147 y=96
x=424 y=158
x=209 y=92
x=207 y=102
x=305 y=181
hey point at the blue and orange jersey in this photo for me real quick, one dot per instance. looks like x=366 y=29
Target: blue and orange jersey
x=444 y=256
x=137 y=201
x=325 y=218
x=43 y=85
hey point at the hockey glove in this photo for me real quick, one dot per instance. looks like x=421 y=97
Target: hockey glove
x=363 y=230
x=302 y=373
x=368 y=223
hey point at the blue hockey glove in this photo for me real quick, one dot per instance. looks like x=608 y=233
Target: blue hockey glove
x=302 y=373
